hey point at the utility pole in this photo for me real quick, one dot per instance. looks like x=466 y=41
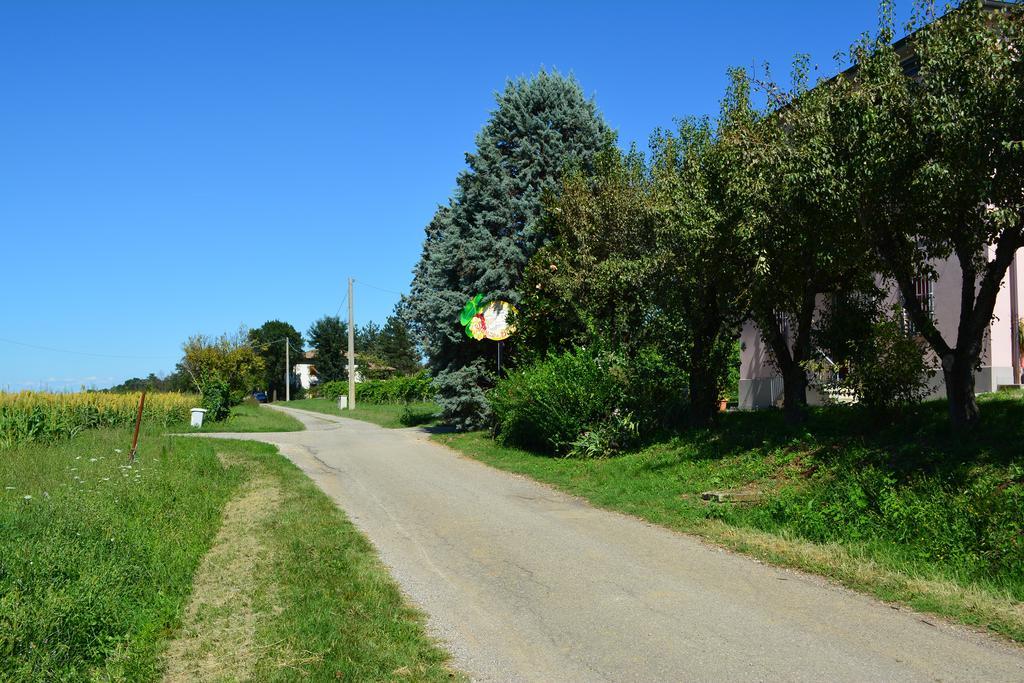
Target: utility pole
x=287 y=374
x=351 y=349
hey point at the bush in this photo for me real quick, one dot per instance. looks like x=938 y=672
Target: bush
x=878 y=361
x=587 y=403
x=410 y=389
x=217 y=399
x=547 y=406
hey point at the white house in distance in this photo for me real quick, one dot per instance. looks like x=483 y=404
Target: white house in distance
x=761 y=384
x=305 y=370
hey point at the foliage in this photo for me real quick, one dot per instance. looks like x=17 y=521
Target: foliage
x=808 y=190
x=480 y=241
x=395 y=390
x=548 y=406
x=329 y=336
x=32 y=416
x=596 y=281
x=653 y=260
x=961 y=196
x=381 y=352
x=876 y=360
x=178 y=381
x=269 y=342
x=586 y=401
x=227 y=358
x=396 y=348
x=702 y=180
x=216 y=399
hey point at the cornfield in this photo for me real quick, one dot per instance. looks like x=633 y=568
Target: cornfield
x=36 y=416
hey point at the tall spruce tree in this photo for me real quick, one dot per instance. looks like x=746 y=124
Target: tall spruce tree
x=481 y=241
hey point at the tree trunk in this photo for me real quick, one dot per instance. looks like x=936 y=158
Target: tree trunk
x=703 y=395
x=794 y=378
x=958 y=371
x=794 y=392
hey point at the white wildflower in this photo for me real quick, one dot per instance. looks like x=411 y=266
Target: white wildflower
x=28 y=497
x=92 y=459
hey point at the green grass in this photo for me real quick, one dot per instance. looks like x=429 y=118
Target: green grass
x=903 y=509
x=254 y=418
x=97 y=563
x=390 y=415
x=338 y=605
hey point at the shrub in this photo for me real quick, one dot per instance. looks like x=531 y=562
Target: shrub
x=547 y=406
x=395 y=390
x=217 y=399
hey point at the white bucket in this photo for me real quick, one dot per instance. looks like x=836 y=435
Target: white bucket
x=342 y=402
x=197 y=417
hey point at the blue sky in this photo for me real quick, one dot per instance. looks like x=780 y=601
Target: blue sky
x=168 y=168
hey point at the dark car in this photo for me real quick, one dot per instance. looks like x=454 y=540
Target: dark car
x=260 y=396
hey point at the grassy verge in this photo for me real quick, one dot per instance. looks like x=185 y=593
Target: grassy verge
x=390 y=415
x=317 y=601
x=904 y=509
x=105 y=570
x=96 y=558
x=253 y=418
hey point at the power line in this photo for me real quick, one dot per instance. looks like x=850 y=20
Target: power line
x=383 y=289
x=79 y=353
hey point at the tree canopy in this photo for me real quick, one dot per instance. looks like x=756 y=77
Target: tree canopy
x=481 y=240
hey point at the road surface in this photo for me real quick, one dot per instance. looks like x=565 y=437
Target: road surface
x=523 y=583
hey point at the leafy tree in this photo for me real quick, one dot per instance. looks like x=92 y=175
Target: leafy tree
x=807 y=190
x=654 y=259
x=703 y=187
x=481 y=241
x=329 y=336
x=596 y=281
x=267 y=339
x=942 y=171
x=228 y=359
x=176 y=381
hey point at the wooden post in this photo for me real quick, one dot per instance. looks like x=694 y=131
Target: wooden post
x=138 y=423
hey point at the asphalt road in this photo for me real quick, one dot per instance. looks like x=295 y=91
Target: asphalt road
x=523 y=583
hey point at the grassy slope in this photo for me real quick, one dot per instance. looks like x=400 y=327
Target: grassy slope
x=392 y=415
x=253 y=418
x=906 y=510
x=95 y=571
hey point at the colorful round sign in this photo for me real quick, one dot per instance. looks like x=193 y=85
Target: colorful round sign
x=487 y=322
